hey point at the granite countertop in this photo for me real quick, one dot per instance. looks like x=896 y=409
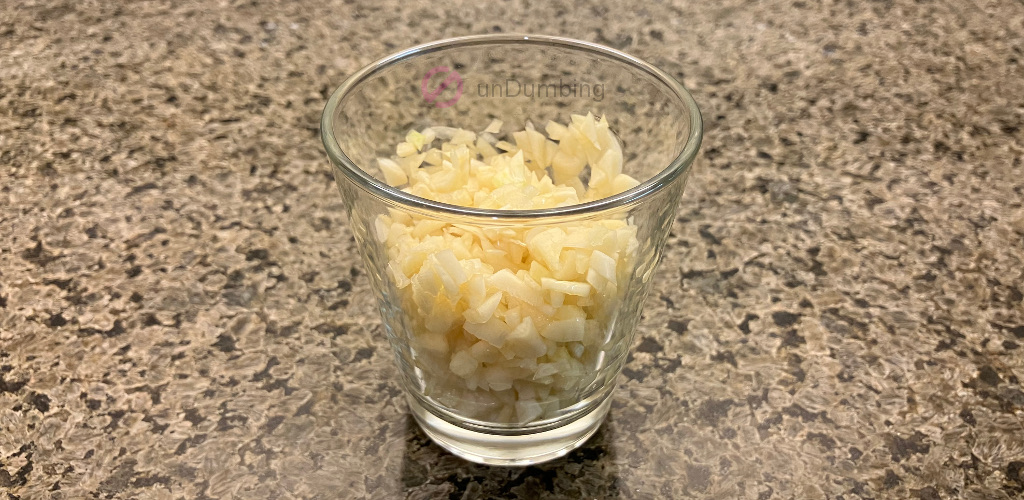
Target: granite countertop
x=838 y=314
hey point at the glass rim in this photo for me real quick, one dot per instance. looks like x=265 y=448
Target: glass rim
x=396 y=197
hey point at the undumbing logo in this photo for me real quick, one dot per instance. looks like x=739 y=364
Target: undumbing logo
x=509 y=88
x=452 y=78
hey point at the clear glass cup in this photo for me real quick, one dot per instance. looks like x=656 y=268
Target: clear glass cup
x=516 y=407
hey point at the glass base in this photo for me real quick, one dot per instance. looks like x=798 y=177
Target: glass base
x=514 y=450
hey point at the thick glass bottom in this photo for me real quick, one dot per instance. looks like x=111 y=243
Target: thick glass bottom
x=512 y=450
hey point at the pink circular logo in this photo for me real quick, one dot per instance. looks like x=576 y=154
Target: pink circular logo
x=431 y=95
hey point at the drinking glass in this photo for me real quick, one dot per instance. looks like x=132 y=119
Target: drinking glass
x=508 y=406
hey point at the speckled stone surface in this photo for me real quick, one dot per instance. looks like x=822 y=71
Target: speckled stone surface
x=839 y=312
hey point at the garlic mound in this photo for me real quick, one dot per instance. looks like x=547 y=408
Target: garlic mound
x=508 y=324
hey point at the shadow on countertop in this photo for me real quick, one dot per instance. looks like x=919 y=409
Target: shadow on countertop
x=429 y=471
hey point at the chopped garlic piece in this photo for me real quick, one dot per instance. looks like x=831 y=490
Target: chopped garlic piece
x=416 y=139
x=405 y=149
x=494 y=127
x=393 y=173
